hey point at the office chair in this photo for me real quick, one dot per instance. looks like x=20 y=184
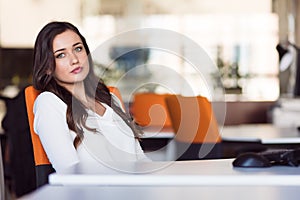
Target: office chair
x=195 y=126
x=42 y=164
x=150 y=109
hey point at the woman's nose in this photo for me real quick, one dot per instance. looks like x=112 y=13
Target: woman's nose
x=74 y=58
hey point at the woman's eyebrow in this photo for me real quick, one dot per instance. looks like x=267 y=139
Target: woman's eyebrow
x=59 y=50
x=77 y=43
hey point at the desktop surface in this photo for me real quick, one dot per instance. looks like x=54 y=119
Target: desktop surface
x=180 y=173
x=265 y=133
x=166 y=192
x=235 y=139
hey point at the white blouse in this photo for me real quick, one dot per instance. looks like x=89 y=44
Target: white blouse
x=112 y=141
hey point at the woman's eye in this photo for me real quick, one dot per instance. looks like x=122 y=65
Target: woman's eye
x=61 y=55
x=78 y=49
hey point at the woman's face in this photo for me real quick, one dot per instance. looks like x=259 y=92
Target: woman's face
x=71 y=61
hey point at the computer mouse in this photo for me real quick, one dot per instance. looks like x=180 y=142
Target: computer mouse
x=251 y=159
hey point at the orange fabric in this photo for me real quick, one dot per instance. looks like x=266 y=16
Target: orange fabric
x=40 y=156
x=193 y=119
x=150 y=109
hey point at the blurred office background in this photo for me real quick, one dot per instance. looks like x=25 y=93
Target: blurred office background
x=253 y=43
x=240 y=37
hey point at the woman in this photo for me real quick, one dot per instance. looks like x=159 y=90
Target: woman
x=76 y=117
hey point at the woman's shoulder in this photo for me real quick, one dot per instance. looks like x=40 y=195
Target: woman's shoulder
x=48 y=98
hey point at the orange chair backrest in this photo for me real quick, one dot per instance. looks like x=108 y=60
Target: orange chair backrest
x=150 y=109
x=40 y=156
x=193 y=119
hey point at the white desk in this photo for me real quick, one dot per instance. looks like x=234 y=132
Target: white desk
x=265 y=133
x=260 y=133
x=180 y=173
x=158 y=132
x=165 y=193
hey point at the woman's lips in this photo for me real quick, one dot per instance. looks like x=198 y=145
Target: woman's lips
x=76 y=70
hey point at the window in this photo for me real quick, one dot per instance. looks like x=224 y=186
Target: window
x=242 y=46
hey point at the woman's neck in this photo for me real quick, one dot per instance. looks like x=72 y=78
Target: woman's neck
x=78 y=91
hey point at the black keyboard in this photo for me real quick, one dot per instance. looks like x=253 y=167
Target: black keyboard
x=289 y=157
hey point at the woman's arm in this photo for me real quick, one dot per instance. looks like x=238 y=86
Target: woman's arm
x=51 y=126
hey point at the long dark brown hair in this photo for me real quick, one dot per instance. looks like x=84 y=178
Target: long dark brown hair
x=43 y=80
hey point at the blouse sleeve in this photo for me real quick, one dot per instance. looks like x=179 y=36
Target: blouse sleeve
x=140 y=153
x=51 y=126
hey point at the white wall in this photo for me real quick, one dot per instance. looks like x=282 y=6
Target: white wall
x=21 y=20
